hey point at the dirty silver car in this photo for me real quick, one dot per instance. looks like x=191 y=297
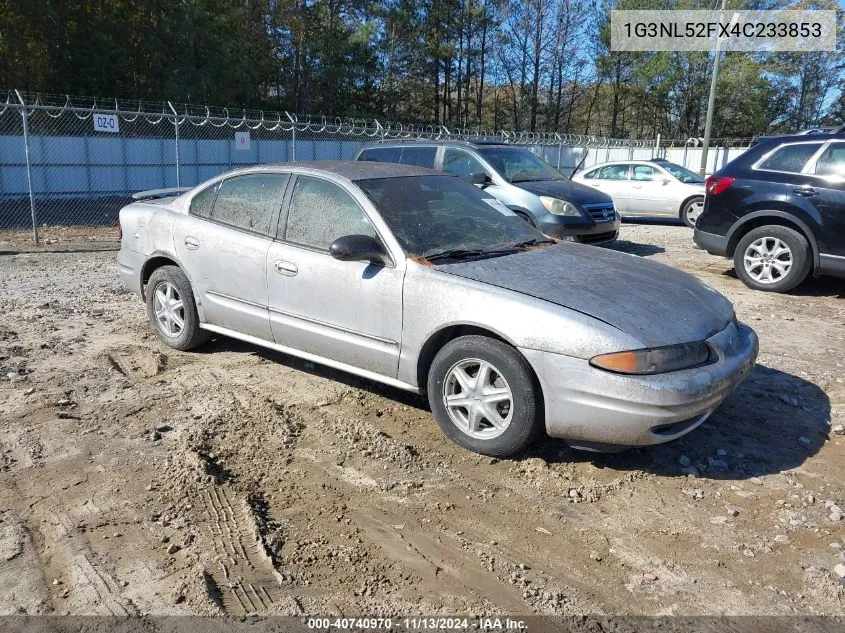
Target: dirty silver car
x=422 y=281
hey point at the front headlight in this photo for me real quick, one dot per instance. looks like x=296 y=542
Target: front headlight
x=654 y=360
x=560 y=207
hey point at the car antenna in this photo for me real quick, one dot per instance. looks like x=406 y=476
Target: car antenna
x=578 y=166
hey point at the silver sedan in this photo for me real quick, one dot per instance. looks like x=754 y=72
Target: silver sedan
x=421 y=281
x=648 y=188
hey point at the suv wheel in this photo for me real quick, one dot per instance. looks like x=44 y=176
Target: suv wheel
x=772 y=258
x=691 y=210
x=172 y=310
x=483 y=396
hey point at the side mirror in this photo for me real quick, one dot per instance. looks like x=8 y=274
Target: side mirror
x=479 y=178
x=359 y=248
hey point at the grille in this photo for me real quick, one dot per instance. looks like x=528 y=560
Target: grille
x=601 y=211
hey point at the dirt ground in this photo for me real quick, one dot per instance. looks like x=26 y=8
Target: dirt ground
x=139 y=480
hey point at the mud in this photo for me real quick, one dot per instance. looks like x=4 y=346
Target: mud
x=135 y=479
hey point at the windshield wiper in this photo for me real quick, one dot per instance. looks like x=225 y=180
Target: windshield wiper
x=467 y=253
x=532 y=242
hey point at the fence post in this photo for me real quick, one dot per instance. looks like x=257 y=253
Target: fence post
x=559 y=149
x=176 y=127
x=25 y=116
x=293 y=135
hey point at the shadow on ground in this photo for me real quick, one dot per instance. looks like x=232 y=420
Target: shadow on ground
x=811 y=287
x=774 y=422
x=634 y=248
x=654 y=220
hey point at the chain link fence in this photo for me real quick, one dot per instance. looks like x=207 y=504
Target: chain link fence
x=74 y=162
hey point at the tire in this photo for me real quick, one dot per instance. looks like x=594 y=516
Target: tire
x=757 y=255
x=691 y=210
x=519 y=417
x=171 y=279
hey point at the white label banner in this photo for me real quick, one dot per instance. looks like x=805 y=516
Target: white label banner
x=241 y=140
x=697 y=30
x=106 y=123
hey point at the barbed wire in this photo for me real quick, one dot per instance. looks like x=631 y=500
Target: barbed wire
x=156 y=112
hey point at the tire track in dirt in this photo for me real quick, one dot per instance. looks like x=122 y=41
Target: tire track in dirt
x=244 y=576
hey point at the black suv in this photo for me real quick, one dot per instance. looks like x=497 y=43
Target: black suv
x=779 y=211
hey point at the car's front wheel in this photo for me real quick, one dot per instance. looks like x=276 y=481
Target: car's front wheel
x=484 y=396
x=691 y=210
x=172 y=310
x=772 y=258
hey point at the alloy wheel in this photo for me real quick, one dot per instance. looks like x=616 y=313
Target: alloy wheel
x=767 y=260
x=169 y=309
x=694 y=211
x=478 y=399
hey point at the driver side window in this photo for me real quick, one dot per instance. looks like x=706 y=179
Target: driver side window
x=320 y=212
x=461 y=164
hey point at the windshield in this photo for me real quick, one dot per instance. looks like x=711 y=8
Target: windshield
x=431 y=215
x=682 y=173
x=516 y=164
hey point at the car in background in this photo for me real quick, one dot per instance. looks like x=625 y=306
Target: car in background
x=419 y=280
x=779 y=211
x=653 y=187
x=519 y=179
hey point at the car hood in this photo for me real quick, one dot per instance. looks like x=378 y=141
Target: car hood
x=656 y=304
x=568 y=190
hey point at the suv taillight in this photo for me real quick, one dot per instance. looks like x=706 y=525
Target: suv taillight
x=715 y=185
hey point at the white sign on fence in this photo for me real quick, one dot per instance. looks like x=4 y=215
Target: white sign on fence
x=241 y=140
x=106 y=123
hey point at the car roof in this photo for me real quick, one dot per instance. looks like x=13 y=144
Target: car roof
x=359 y=170
x=438 y=142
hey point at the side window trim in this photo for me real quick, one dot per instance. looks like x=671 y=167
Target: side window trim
x=810 y=161
x=276 y=213
x=810 y=167
x=282 y=227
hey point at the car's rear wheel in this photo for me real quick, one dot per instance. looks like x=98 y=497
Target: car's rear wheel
x=172 y=310
x=484 y=396
x=691 y=210
x=772 y=258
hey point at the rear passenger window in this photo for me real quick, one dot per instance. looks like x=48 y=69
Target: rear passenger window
x=320 y=212
x=643 y=172
x=250 y=201
x=832 y=161
x=614 y=172
x=381 y=154
x=201 y=203
x=591 y=174
x=790 y=158
x=419 y=156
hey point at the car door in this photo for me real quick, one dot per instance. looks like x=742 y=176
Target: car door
x=462 y=164
x=223 y=242
x=350 y=312
x=651 y=191
x=827 y=193
x=613 y=180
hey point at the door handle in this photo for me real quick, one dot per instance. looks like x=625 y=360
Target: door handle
x=807 y=192
x=192 y=243
x=285 y=268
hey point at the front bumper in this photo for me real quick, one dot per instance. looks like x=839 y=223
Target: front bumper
x=586 y=231
x=588 y=406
